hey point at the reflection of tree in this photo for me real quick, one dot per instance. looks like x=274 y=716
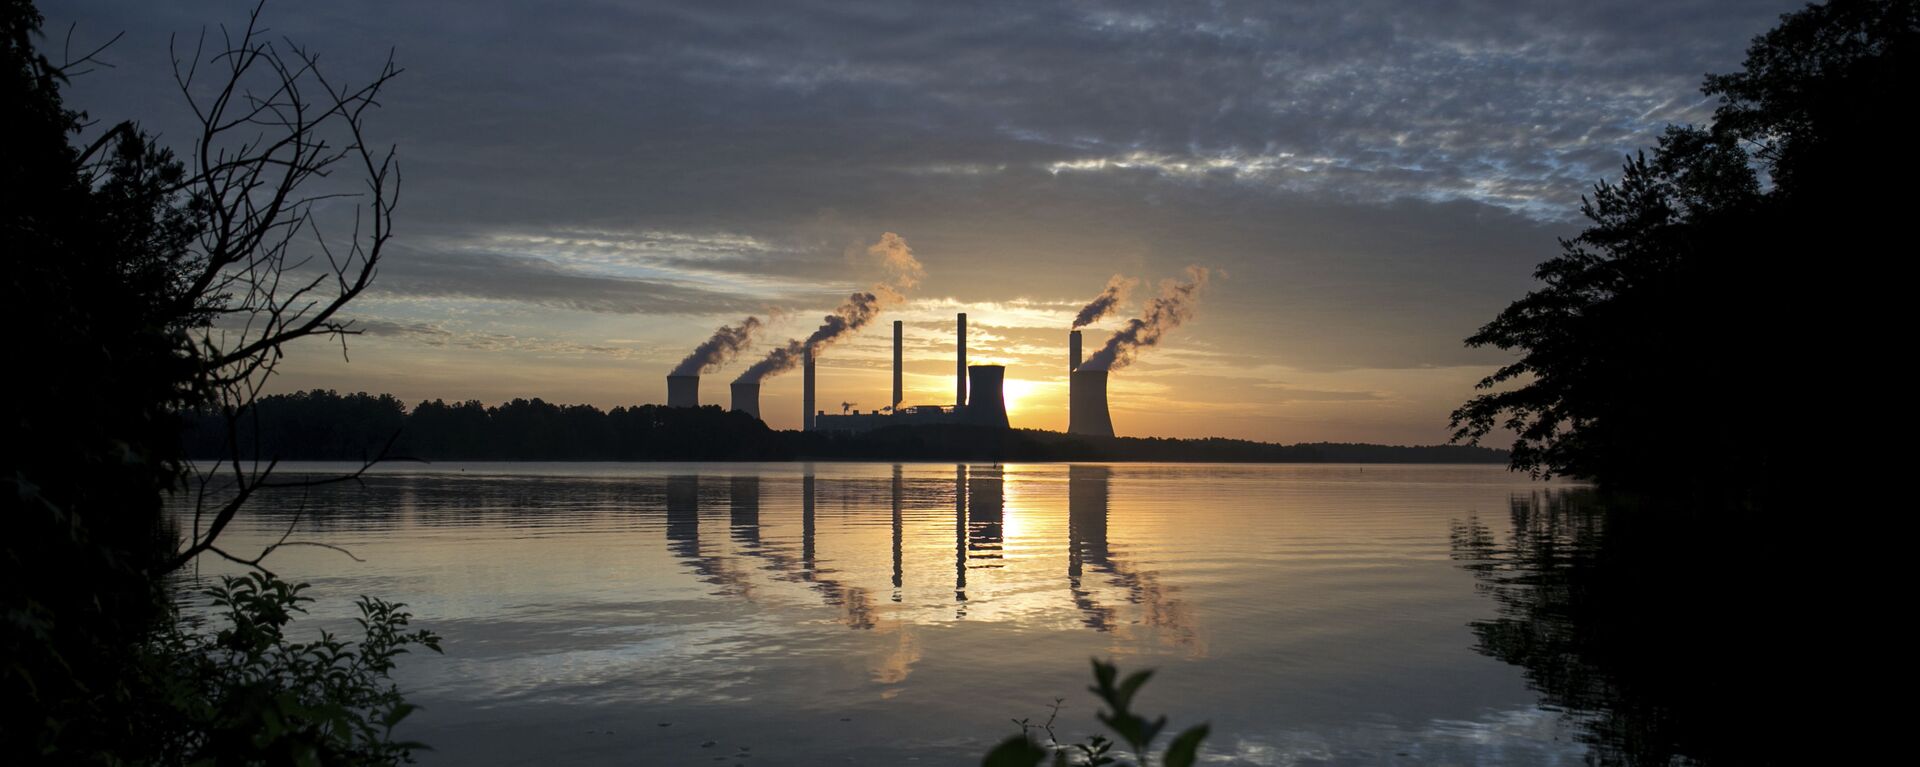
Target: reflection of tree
x=1656 y=636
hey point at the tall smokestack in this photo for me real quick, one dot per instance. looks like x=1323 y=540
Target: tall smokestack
x=1087 y=404
x=746 y=398
x=683 y=391
x=1073 y=351
x=806 y=389
x=960 y=366
x=986 y=403
x=898 y=338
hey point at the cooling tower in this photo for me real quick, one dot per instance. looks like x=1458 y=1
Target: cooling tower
x=806 y=389
x=746 y=398
x=683 y=391
x=898 y=337
x=986 y=403
x=1073 y=351
x=1087 y=404
x=960 y=365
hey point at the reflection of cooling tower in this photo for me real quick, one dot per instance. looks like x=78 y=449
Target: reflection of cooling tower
x=746 y=398
x=1087 y=406
x=986 y=403
x=743 y=506
x=1073 y=351
x=986 y=514
x=683 y=391
x=683 y=515
x=806 y=389
x=1087 y=515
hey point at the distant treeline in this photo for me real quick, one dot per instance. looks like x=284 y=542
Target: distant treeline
x=322 y=425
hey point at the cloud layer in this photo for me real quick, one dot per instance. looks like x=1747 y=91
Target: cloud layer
x=1377 y=177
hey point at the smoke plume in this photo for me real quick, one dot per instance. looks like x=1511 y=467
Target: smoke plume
x=726 y=342
x=1163 y=313
x=903 y=272
x=902 y=268
x=1118 y=286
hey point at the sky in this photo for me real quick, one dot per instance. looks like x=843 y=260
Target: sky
x=591 y=188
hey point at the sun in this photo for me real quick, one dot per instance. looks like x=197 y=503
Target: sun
x=1024 y=396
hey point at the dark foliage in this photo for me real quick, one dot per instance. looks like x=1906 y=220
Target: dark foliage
x=122 y=260
x=93 y=294
x=324 y=425
x=1673 y=339
x=248 y=694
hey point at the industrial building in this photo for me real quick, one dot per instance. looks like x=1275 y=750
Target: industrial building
x=1086 y=395
x=979 y=395
x=978 y=398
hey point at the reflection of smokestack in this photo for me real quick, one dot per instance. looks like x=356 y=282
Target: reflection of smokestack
x=960 y=532
x=746 y=398
x=683 y=391
x=898 y=338
x=1073 y=351
x=960 y=368
x=1087 y=404
x=806 y=520
x=898 y=526
x=806 y=389
x=986 y=403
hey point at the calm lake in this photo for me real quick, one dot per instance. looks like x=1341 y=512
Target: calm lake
x=837 y=613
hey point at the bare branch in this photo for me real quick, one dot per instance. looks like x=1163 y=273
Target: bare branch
x=273 y=132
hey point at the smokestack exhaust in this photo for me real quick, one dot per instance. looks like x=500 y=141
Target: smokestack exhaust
x=683 y=391
x=746 y=398
x=986 y=402
x=960 y=365
x=1073 y=351
x=1087 y=404
x=898 y=339
x=806 y=389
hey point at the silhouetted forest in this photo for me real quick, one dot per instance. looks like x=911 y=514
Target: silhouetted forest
x=324 y=425
x=1726 y=277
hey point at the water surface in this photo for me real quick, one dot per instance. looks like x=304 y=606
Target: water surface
x=842 y=613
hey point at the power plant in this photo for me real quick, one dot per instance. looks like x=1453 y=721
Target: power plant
x=979 y=393
x=986 y=403
x=806 y=391
x=1086 y=395
x=746 y=398
x=1087 y=404
x=683 y=391
x=979 y=396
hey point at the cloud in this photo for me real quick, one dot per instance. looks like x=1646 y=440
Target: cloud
x=1379 y=177
x=439 y=336
x=536 y=281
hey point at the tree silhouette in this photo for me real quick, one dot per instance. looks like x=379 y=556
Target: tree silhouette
x=1661 y=352
x=144 y=284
